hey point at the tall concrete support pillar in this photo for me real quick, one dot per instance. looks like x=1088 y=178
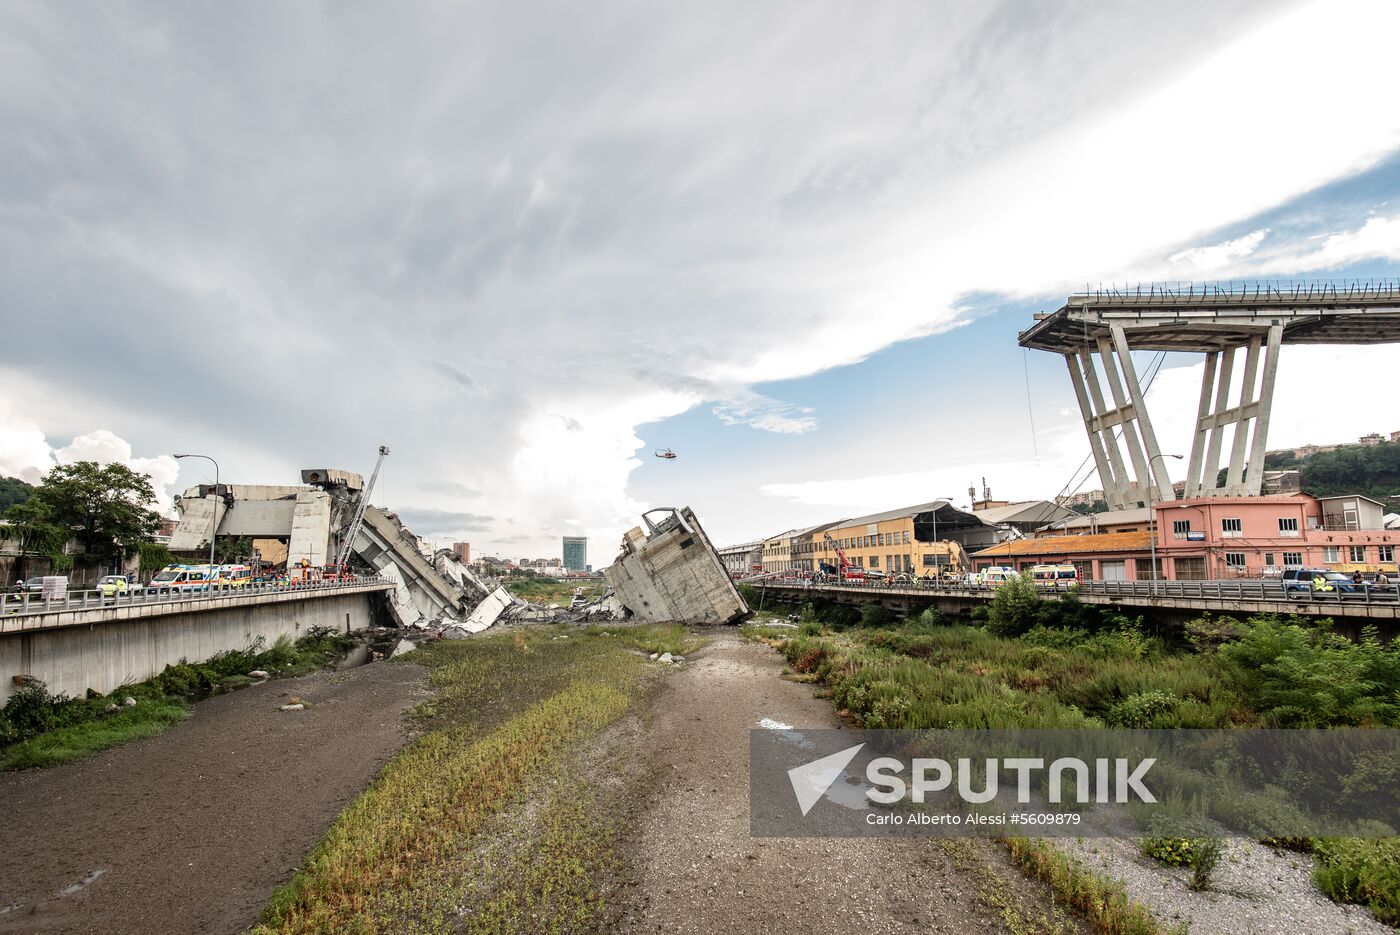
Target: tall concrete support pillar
x=1124 y=426
x=1249 y=417
x=311 y=528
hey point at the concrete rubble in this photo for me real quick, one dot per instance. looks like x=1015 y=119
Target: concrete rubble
x=671 y=573
x=433 y=591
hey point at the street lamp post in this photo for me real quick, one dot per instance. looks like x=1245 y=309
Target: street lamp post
x=1152 y=524
x=937 y=568
x=213 y=533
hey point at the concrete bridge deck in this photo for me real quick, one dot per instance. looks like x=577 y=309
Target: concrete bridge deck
x=101 y=643
x=1174 y=598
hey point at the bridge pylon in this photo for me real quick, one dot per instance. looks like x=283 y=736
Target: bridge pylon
x=1096 y=333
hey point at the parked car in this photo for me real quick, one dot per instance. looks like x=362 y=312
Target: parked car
x=1320 y=584
x=117 y=584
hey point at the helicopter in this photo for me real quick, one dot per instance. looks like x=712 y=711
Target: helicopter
x=665 y=453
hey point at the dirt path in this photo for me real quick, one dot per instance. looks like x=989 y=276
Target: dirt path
x=191 y=831
x=699 y=870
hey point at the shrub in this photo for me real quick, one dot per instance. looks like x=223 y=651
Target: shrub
x=1184 y=841
x=1365 y=871
x=1310 y=677
x=29 y=712
x=1014 y=605
x=1142 y=710
x=874 y=615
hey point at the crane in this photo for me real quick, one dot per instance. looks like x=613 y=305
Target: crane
x=841 y=556
x=349 y=540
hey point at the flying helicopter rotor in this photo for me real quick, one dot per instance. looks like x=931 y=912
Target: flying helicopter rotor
x=665 y=453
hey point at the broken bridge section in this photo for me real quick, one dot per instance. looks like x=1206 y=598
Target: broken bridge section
x=308 y=524
x=671 y=573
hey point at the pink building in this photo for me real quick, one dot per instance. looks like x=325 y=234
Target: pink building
x=1251 y=537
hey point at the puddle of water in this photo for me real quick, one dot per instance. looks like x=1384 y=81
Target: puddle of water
x=82 y=884
x=848 y=790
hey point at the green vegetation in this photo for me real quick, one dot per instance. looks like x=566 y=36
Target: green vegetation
x=1030 y=667
x=39 y=730
x=1185 y=841
x=13 y=491
x=539 y=589
x=1104 y=904
x=154 y=557
x=430 y=845
x=1355 y=870
x=105 y=508
x=1370 y=470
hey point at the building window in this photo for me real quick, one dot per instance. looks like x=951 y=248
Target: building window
x=1292 y=558
x=1235 y=560
x=1190 y=569
x=1145 y=569
x=874 y=559
x=1387 y=553
x=1288 y=526
x=1358 y=554
x=906 y=535
x=1332 y=554
x=1268 y=558
x=1231 y=528
x=1180 y=527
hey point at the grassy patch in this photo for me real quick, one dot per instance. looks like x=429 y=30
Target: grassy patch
x=68 y=743
x=1103 y=903
x=42 y=730
x=1262 y=672
x=508 y=712
x=653 y=638
x=1352 y=870
x=542 y=590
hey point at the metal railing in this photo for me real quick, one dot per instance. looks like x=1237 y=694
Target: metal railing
x=1259 y=590
x=15 y=603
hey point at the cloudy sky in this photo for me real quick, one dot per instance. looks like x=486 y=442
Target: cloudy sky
x=527 y=245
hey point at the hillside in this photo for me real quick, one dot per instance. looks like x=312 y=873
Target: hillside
x=1372 y=471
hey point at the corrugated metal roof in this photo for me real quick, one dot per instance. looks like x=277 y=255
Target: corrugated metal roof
x=1108 y=518
x=906 y=511
x=1026 y=511
x=1070 y=545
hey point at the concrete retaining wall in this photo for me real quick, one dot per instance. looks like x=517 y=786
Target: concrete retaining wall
x=105 y=656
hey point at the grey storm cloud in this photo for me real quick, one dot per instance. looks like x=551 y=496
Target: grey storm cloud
x=427 y=522
x=268 y=241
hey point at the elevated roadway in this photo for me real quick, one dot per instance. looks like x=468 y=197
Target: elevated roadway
x=1173 y=600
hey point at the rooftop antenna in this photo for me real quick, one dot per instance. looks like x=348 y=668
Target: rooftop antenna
x=986 y=491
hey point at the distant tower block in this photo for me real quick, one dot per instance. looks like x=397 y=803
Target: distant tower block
x=1096 y=333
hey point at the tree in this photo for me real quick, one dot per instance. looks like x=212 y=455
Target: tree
x=1014 y=606
x=12 y=491
x=106 y=508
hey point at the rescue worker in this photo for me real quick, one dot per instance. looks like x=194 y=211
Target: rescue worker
x=1356 y=578
x=1319 y=583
